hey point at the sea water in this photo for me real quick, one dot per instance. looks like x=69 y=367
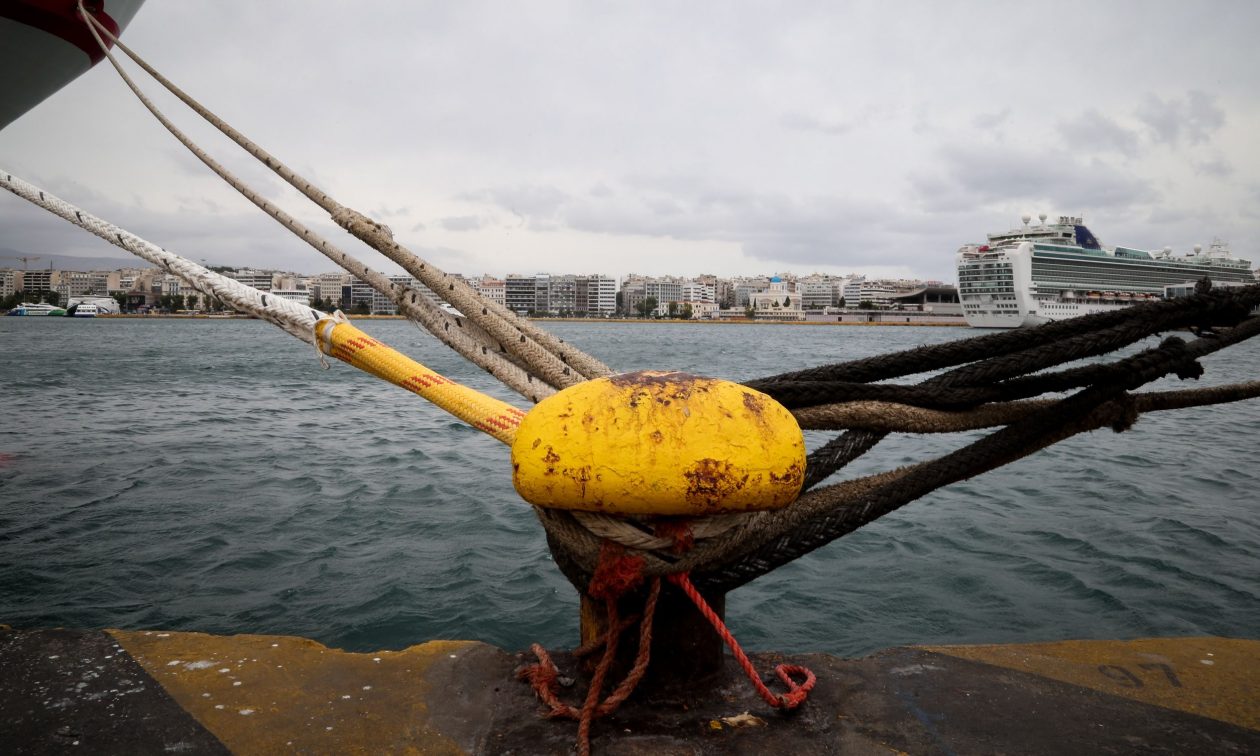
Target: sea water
x=210 y=475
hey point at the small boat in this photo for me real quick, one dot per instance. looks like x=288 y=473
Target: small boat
x=85 y=310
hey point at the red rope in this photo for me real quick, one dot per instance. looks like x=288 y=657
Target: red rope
x=618 y=574
x=797 y=692
x=615 y=575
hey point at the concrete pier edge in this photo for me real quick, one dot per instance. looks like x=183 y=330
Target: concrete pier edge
x=121 y=691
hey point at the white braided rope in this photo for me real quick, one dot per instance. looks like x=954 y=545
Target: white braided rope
x=628 y=533
x=294 y=317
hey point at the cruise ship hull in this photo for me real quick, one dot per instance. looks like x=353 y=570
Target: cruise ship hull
x=1030 y=283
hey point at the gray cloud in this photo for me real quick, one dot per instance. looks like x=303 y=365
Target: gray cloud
x=991 y=121
x=461 y=223
x=1216 y=166
x=1091 y=131
x=979 y=174
x=1195 y=118
x=806 y=122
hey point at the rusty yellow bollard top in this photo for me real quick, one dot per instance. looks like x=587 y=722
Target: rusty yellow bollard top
x=659 y=443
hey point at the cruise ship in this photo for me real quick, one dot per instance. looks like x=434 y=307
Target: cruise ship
x=1056 y=270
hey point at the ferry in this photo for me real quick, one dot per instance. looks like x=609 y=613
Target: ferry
x=26 y=308
x=1052 y=271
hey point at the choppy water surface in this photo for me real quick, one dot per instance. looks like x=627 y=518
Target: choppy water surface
x=208 y=475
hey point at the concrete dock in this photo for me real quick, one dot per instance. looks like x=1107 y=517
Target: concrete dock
x=136 y=692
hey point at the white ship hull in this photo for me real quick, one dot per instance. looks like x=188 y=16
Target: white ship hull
x=1054 y=272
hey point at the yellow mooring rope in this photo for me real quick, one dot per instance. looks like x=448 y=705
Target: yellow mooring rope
x=337 y=338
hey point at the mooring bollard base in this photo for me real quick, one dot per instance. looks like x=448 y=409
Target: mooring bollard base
x=686 y=650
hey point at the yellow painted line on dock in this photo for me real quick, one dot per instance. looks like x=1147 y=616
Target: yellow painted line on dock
x=1217 y=678
x=271 y=694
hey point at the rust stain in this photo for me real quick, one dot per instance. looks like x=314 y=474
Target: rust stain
x=755 y=403
x=791 y=477
x=649 y=378
x=580 y=476
x=710 y=481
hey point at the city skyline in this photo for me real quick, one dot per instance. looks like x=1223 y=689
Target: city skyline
x=868 y=139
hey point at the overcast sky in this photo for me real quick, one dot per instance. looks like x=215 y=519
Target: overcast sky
x=720 y=137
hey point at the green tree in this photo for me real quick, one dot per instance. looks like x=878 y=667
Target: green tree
x=787 y=301
x=52 y=298
x=866 y=304
x=749 y=312
x=673 y=309
x=646 y=307
x=361 y=308
x=687 y=313
x=121 y=298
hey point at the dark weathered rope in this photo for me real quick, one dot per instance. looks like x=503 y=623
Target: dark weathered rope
x=931 y=394
x=769 y=539
x=836 y=453
x=790 y=533
x=1158 y=316
x=888 y=417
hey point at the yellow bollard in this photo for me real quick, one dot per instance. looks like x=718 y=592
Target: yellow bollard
x=653 y=443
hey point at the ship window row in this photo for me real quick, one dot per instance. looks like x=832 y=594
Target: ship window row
x=1109 y=279
x=985 y=277
x=1125 y=272
x=1133 y=267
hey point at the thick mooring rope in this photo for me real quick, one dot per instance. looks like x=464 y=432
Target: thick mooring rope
x=549 y=358
x=466 y=338
x=765 y=540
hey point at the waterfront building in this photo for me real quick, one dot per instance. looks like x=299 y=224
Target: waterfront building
x=596 y=295
x=665 y=291
x=561 y=294
x=259 y=279
x=820 y=291
x=491 y=288
x=780 y=301
x=745 y=287
x=335 y=287
x=8 y=283
x=878 y=293
x=940 y=299
x=37 y=281
x=520 y=294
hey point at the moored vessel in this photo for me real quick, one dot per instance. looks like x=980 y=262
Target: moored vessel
x=30 y=309
x=44 y=45
x=1057 y=270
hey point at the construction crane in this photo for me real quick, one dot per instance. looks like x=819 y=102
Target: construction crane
x=25 y=260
